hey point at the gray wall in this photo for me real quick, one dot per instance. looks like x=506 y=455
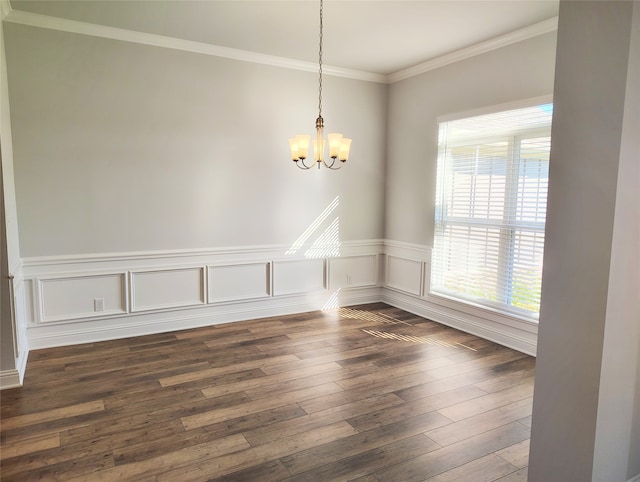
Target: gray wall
x=513 y=73
x=586 y=394
x=126 y=147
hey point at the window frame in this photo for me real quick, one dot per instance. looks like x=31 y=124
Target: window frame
x=507 y=254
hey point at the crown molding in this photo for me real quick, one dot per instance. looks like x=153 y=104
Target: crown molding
x=84 y=28
x=5 y=9
x=114 y=33
x=546 y=26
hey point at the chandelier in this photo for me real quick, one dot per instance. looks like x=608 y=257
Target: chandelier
x=338 y=146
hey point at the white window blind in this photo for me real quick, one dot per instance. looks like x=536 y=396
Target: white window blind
x=491 y=201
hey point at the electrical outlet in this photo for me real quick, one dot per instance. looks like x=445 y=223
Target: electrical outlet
x=98 y=304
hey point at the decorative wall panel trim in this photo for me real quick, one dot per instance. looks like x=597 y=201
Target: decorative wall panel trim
x=97 y=262
x=74 y=297
x=249 y=277
x=404 y=274
x=299 y=276
x=413 y=251
x=167 y=288
x=237 y=282
x=353 y=271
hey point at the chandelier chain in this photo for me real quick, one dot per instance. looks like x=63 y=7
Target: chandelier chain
x=320 y=67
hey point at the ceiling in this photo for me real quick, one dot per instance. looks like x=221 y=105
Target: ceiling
x=380 y=37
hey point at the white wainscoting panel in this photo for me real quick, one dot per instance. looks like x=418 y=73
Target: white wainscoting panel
x=404 y=274
x=298 y=276
x=353 y=272
x=167 y=288
x=152 y=292
x=235 y=282
x=74 y=297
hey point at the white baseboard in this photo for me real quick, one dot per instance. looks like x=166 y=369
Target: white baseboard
x=460 y=321
x=139 y=324
x=14 y=377
x=10 y=379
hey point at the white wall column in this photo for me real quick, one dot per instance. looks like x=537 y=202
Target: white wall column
x=586 y=389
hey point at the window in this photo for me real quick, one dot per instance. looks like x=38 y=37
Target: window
x=491 y=201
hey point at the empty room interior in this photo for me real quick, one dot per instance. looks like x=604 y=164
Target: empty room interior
x=201 y=281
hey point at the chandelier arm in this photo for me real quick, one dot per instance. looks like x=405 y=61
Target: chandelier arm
x=333 y=166
x=304 y=166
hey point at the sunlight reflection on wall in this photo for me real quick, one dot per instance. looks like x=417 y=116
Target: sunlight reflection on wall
x=333 y=303
x=327 y=243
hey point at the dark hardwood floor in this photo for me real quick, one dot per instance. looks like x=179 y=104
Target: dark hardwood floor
x=368 y=393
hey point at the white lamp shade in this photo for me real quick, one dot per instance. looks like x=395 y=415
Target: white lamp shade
x=345 y=146
x=293 y=145
x=334 y=144
x=303 y=145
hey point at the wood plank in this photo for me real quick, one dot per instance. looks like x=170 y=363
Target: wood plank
x=56 y=465
x=487 y=402
x=361 y=442
x=457 y=431
x=518 y=476
x=277 y=431
x=271 y=471
x=234 y=462
x=244 y=385
x=53 y=414
x=485 y=469
x=151 y=446
x=29 y=446
x=171 y=460
x=241 y=410
x=457 y=454
x=213 y=372
x=517 y=454
x=364 y=463
x=381 y=415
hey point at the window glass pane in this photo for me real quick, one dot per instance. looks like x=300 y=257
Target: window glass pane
x=472 y=266
x=478 y=180
x=533 y=179
x=527 y=270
